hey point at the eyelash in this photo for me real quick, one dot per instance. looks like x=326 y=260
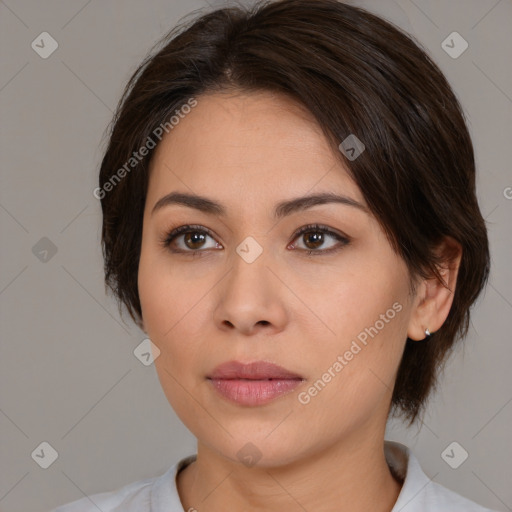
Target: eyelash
x=168 y=238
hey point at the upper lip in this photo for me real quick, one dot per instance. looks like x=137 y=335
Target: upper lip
x=258 y=370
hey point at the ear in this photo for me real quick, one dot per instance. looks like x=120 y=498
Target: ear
x=433 y=300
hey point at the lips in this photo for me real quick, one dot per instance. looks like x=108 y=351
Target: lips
x=259 y=370
x=253 y=384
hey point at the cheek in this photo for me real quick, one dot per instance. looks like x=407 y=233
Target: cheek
x=167 y=298
x=168 y=316
x=172 y=314
x=352 y=383
x=363 y=295
x=367 y=318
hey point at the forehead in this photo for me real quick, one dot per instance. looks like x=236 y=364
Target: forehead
x=261 y=144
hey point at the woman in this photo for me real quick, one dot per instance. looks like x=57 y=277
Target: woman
x=289 y=213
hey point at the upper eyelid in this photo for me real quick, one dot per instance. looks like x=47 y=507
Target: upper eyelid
x=320 y=227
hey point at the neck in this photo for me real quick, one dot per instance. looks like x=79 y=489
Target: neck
x=351 y=476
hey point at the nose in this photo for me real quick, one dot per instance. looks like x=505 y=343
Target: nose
x=251 y=298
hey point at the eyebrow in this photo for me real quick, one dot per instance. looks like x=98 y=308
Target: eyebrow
x=282 y=209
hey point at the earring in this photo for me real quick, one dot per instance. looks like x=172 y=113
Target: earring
x=427 y=333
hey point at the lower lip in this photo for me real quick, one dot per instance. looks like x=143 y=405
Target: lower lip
x=254 y=392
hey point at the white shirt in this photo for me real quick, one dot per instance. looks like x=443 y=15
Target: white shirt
x=160 y=494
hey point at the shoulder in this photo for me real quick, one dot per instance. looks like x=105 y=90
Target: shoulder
x=155 y=494
x=442 y=499
x=419 y=493
x=133 y=496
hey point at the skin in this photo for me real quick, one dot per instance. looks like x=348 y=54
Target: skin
x=298 y=311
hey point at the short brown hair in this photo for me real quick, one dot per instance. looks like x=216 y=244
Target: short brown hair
x=357 y=74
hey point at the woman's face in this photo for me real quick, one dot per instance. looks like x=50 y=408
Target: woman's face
x=240 y=286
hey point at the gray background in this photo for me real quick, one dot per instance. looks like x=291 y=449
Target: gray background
x=68 y=374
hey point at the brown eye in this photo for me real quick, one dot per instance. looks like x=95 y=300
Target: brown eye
x=315 y=236
x=189 y=239
x=194 y=239
x=313 y=240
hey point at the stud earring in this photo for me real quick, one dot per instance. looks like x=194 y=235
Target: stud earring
x=427 y=333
